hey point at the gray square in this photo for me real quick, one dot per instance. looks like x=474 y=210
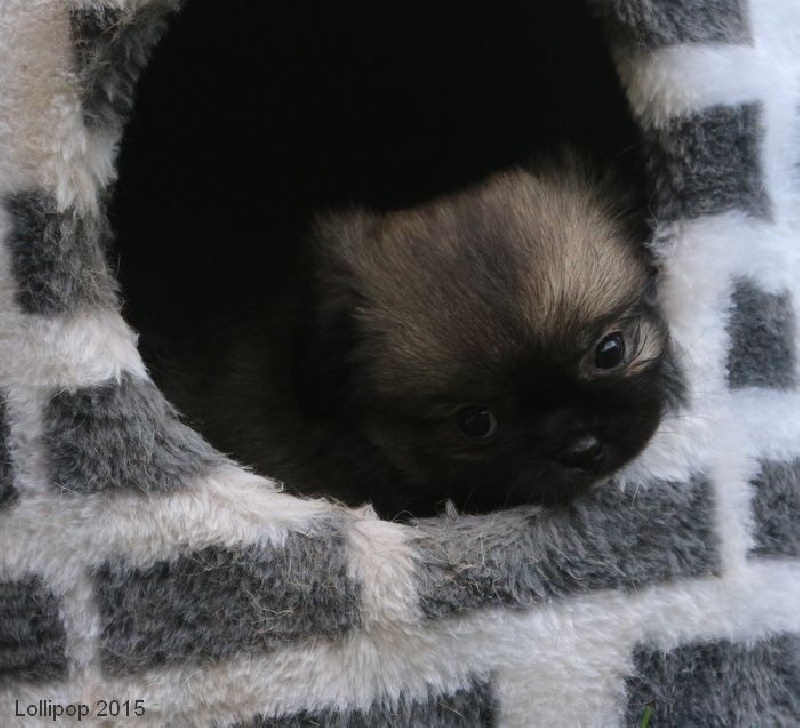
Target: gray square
x=654 y=24
x=121 y=435
x=112 y=47
x=762 y=330
x=471 y=707
x=57 y=258
x=717 y=684
x=32 y=637
x=210 y=604
x=776 y=509
x=709 y=163
x=606 y=540
x=8 y=494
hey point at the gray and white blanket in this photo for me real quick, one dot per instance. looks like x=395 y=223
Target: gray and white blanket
x=145 y=580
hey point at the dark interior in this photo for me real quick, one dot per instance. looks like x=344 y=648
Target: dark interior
x=252 y=115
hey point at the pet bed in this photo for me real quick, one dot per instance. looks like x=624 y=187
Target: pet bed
x=146 y=580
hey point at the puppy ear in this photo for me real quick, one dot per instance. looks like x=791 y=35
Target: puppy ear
x=322 y=366
x=650 y=294
x=324 y=370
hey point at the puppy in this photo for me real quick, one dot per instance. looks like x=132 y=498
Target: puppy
x=496 y=347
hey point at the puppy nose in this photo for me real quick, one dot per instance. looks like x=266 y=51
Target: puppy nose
x=585 y=452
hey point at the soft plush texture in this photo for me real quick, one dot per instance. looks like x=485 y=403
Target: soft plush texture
x=138 y=564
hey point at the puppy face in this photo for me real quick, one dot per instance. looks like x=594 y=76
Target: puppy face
x=499 y=346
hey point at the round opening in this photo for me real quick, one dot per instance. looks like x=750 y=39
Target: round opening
x=253 y=117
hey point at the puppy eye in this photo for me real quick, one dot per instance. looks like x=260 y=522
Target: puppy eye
x=610 y=352
x=476 y=422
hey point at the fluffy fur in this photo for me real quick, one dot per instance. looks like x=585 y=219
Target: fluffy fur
x=590 y=658
x=490 y=304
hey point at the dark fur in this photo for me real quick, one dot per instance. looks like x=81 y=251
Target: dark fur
x=345 y=383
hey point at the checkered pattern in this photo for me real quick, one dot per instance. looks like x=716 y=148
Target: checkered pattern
x=138 y=564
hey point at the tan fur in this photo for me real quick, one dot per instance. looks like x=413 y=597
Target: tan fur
x=564 y=260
